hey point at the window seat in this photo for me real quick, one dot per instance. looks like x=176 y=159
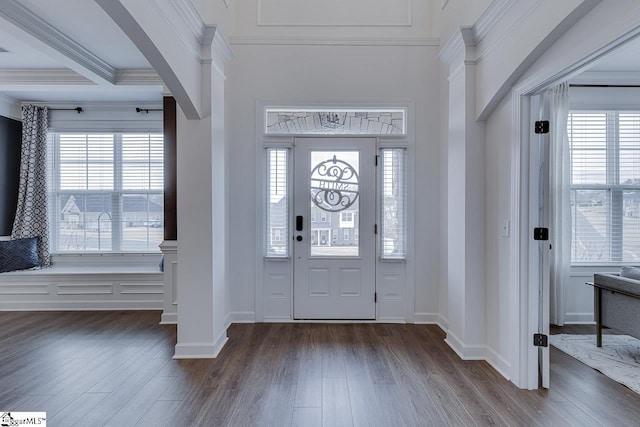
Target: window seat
x=63 y=270
x=131 y=282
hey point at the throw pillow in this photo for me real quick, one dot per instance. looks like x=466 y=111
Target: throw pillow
x=19 y=254
x=630 y=272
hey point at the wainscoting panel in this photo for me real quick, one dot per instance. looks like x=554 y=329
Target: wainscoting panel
x=96 y=289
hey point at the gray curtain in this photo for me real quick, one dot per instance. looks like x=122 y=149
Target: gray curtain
x=31 y=215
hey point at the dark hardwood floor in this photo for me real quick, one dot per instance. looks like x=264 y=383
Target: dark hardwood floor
x=116 y=369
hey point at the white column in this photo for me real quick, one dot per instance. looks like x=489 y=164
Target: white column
x=466 y=207
x=202 y=221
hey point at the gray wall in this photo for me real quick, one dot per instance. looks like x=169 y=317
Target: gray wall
x=10 y=143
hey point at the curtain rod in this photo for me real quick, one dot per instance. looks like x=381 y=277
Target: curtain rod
x=146 y=110
x=602 y=85
x=77 y=109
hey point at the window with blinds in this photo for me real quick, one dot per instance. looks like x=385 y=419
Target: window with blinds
x=393 y=211
x=106 y=192
x=605 y=186
x=276 y=239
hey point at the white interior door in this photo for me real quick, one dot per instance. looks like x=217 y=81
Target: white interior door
x=334 y=228
x=539 y=270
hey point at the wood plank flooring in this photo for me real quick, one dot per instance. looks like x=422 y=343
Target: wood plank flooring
x=116 y=369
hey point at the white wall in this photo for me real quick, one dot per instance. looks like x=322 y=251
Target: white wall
x=586 y=38
x=498 y=247
x=341 y=74
x=287 y=51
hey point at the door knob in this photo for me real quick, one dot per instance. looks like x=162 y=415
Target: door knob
x=299 y=238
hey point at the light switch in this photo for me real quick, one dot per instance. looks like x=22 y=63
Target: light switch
x=506 y=228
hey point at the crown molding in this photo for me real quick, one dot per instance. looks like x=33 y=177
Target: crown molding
x=90 y=65
x=138 y=77
x=324 y=41
x=454 y=50
x=189 y=14
x=42 y=76
x=490 y=17
x=10 y=107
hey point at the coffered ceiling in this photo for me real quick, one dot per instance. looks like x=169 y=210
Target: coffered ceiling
x=69 y=50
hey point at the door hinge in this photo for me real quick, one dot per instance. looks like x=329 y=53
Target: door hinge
x=540 y=233
x=542 y=126
x=375 y=297
x=375 y=228
x=540 y=340
x=377 y=156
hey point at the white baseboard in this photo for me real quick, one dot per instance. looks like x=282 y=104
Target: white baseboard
x=466 y=352
x=426 y=318
x=80 y=305
x=242 y=317
x=579 y=318
x=169 y=319
x=499 y=363
x=201 y=350
x=443 y=322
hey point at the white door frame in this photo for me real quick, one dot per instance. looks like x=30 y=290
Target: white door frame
x=524 y=301
x=401 y=308
x=359 y=304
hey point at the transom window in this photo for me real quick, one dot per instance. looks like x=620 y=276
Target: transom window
x=605 y=186
x=107 y=192
x=348 y=121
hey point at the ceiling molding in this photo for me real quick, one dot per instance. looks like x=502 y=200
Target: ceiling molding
x=10 y=107
x=324 y=41
x=490 y=17
x=191 y=17
x=138 y=77
x=82 y=60
x=42 y=77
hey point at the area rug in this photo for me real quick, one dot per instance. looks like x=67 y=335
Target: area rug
x=618 y=358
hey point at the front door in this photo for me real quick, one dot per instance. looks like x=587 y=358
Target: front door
x=333 y=228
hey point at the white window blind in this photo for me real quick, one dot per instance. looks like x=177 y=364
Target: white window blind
x=276 y=239
x=605 y=186
x=393 y=211
x=106 y=192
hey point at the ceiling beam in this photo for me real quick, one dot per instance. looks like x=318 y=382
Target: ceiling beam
x=53 y=43
x=169 y=50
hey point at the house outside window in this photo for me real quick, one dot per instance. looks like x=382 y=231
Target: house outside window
x=605 y=186
x=106 y=192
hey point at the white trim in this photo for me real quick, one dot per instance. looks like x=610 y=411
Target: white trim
x=499 y=363
x=138 y=77
x=330 y=41
x=264 y=140
x=200 y=350
x=476 y=352
x=426 y=319
x=84 y=305
x=10 y=107
x=491 y=16
x=242 y=317
x=94 y=67
x=169 y=319
x=579 y=319
x=19 y=76
x=261 y=23
x=506 y=33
